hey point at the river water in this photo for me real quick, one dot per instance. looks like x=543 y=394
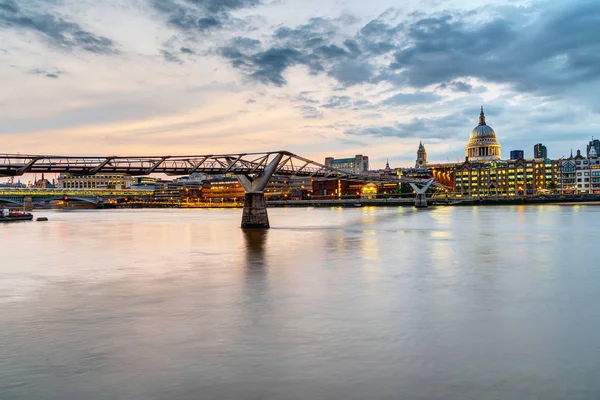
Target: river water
x=380 y=303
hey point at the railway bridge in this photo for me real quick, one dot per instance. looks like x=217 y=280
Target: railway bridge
x=253 y=171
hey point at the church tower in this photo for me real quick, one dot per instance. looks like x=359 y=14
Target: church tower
x=421 y=156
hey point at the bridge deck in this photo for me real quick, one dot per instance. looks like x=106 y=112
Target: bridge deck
x=234 y=164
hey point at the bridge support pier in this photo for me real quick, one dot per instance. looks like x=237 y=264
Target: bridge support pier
x=27 y=203
x=421 y=200
x=255 y=214
x=421 y=197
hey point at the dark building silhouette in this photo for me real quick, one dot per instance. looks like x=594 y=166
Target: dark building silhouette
x=595 y=143
x=539 y=151
x=516 y=154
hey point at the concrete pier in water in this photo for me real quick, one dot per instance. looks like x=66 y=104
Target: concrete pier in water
x=255 y=214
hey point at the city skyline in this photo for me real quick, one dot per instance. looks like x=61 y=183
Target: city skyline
x=344 y=78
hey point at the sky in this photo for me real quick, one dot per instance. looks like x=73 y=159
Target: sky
x=315 y=77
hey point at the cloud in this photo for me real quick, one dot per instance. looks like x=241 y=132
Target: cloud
x=308 y=44
x=186 y=50
x=170 y=57
x=446 y=127
x=268 y=66
x=543 y=48
x=197 y=16
x=338 y=102
x=54 y=29
x=48 y=74
x=310 y=112
x=456 y=86
x=352 y=72
x=245 y=42
x=406 y=99
x=303 y=97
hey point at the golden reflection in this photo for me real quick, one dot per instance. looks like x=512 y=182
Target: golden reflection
x=370 y=250
x=441 y=235
x=442 y=215
x=368 y=215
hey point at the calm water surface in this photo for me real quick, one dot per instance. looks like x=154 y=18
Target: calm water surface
x=367 y=303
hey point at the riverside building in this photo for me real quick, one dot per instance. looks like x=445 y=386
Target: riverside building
x=484 y=173
x=580 y=174
x=358 y=164
x=99 y=181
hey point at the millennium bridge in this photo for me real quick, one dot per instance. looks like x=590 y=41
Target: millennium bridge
x=24 y=196
x=253 y=171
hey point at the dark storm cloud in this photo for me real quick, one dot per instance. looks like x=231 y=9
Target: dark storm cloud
x=200 y=15
x=316 y=32
x=553 y=49
x=352 y=72
x=8 y=6
x=268 y=66
x=352 y=46
x=457 y=86
x=312 y=45
x=245 y=43
x=544 y=48
x=53 y=28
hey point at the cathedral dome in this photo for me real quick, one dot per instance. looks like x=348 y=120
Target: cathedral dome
x=482 y=142
x=482 y=132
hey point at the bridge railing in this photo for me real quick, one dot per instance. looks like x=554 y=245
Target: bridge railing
x=248 y=164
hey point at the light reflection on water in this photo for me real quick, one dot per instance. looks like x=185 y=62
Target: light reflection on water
x=386 y=303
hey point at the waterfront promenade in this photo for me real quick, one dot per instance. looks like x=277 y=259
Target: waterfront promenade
x=381 y=202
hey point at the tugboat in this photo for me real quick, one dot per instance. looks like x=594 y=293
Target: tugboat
x=11 y=216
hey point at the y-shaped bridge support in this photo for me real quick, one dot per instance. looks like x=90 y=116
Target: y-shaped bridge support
x=421 y=198
x=255 y=207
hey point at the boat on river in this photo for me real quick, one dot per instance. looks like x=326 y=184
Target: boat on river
x=12 y=216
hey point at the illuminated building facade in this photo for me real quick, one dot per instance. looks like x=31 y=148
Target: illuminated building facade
x=506 y=178
x=229 y=189
x=99 y=181
x=341 y=188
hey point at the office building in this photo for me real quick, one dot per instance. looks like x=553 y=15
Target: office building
x=539 y=151
x=516 y=154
